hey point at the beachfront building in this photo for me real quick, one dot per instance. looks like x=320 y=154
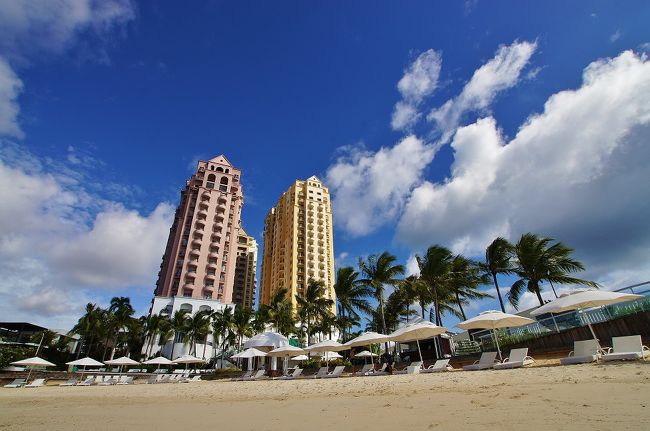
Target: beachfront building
x=245 y=271
x=298 y=242
x=198 y=268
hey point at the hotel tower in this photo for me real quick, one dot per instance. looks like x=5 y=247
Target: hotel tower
x=199 y=270
x=298 y=242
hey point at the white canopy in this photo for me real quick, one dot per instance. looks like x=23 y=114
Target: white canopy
x=267 y=339
x=122 y=361
x=159 y=360
x=33 y=362
x=249 y=353
x=417 y=331
x=85 y=362
x=584 y=299
x=187 y=359
x=286 y=351
x=365 y=339
x=494 y=320
x=326 y=346
x=300 y=358
x=365 y=354
x=328 y=355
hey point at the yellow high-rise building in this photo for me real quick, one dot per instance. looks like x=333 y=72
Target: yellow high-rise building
x=298 y=242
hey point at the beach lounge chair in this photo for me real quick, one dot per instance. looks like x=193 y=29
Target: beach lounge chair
x=293 y=375
x=380 y=372
x=338 y=370
x=127 y=380
x=89 y=381
x=416 y=365
x=439 y=366
x=244 y=376
x=190 y=380
x=258 y=375
x=364 y=370
x=626 y=348
x=322 y=372
x=69 y=382
x=108 y=381
x=166 y=378
x=17 y=383
x=37 y=383
x=487 y=360
x=518 y=358
x=582 y=353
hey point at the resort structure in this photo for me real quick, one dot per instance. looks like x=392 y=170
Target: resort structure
x=199 y=267
x=298 y=243
x=245 y=271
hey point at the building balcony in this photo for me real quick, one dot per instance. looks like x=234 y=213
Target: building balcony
x=191 y=273
x=203 y=213
x=214 y=254
x=221 y=208
x=188 y=286
x=211 y=277
x=199 y=231
x=212 y=266
x=218 y=218
x=199 y=224
x=197 y=241
x=222 y=200
x=204 y=204
x=205 y=194
x=195 y=252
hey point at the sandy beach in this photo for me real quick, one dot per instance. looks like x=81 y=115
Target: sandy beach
x=582 y=397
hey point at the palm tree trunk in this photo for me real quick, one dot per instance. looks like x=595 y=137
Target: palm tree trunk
x=205 y=343
x=496 y=284
x=539 y=294
x=460 y=306
x=173 y=346
x=422 y=307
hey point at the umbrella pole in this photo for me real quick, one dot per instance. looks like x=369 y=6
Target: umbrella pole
x=494 y=332
x=419 y=351
x=591 y=328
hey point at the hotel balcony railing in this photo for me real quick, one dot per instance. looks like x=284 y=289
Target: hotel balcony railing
x=195 y=252
x=191 y=273
x=212 y=266
x=197 y=241
x=199 y=231
x=204 y=204
x=213 y=254
x=210 y=277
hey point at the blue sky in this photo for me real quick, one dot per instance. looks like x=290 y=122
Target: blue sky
x=106 y=106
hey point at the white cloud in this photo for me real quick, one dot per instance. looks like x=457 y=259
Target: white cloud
x=412 y=267
x=60 y=241
x=577 y=172
x=419 y=81
x=500 y=73
x=340 y=260
x=369 y=188
x=33 y=27
x=615 y=36
x=10 y=87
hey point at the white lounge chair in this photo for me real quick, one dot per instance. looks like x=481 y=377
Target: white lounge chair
x=439 y=366
x=626 y=349
x=37 y=383
x=412 y=368
x=190 y=380
x=89 y=381
x=127 y=380
x=322 y=372
x=518 y=358
x=486 y=361
x=108 y=381
x=380 y=372
x=69 y=382
x=244 y=376
x=335 y=373
x=365 y=369
x=583 y=352
x=258 y=375
x=294 y=375
x=17 y=383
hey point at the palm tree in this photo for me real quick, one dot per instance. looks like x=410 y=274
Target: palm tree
x=537 y=260
x=464 y=280
x=314 y=304
x=165 y=334
x=179 y=325
x=152 y=327
x=243 y=324
x=409 y=290
x=121 y=316
x=198 y=327
x=435 y=266
x=498 y=260
x=223 y=327
x=378 y=272
x=87 y=327
x=279 y=312
x=351 y=295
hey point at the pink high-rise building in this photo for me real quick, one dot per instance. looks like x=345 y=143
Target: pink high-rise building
x=200 y=256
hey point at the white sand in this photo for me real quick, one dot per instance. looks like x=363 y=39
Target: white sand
x=581 y=397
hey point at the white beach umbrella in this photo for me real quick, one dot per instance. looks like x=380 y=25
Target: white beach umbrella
x=580 y=299
x=365 y=354
x=495 y=320
x=188 y=359
x=366 y=339
x=123 y=361
x=249 y=353
x=300 y=358
x=33 y=362
x=328 y=355
x=85 y=362
x=267 y=339
x=285 y=352
x=326 y=346
x=158 y=360
x=416 y=332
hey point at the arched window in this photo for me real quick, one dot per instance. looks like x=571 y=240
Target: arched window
x=212 y=167
x=227 y=171
x=205 y=308
x=187 y=307
x=219 y=169
x=211 y=179
x=224 y=180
